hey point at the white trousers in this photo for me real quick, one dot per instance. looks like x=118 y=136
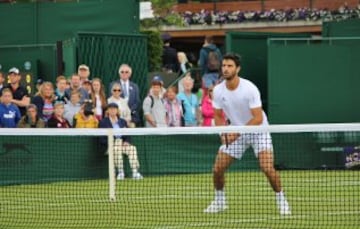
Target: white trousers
x=129 y=150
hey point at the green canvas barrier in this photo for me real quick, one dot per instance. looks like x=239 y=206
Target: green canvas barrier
x=346 y=28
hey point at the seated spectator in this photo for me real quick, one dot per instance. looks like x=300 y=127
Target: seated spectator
x=124 y=109
x=44 y=101
x=9 y=112
x=174 y=110
x=153 y=106
x=99 y=99
x=85 y=118
x=58 y=120
x=60 y=90
x=190 y=103
x=72 y=107
x=121 y=143
x=31 y=119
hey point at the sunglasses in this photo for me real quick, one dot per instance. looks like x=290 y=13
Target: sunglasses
x=115 y=90
x=124 y=72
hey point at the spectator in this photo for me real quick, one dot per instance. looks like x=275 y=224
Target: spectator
x=209 y=47
x=169 y=57
x=39 y=82
x=2 y=80
x=9 y=112
x=130 y=91
x=58 y=120
x=85 y=117
x=173 y=108
x=124 y=109
x=72 y=107
x=44 y=101
x=153 y=106
x=31 y=119
x=185 y=66
x=162 y=90
x=84 y=73
x=60 y=90
x=207 y=109
x=87 y=86
x=190 y=103
x=19 y=93
x=121 y=143
x=76 y=86
x=98 y=97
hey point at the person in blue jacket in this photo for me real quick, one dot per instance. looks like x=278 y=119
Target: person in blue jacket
x=9 y=113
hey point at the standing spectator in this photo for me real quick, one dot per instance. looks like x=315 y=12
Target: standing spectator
x=121 y=143
x=87 y=86
x=85 y=117
x=124 y=109
x=31 y=119
x=2 y=80
x=76 y=86
x=169 y=57
x=84 y=73
x=173 y=108
x=209 y=47
x=190 y=103
x=72 y=107
x=9 y=112
x=39 y=82
x=130 y=91
x=44 y=101
x=207 y=109
x=60 y=90
x=19 y=93
x=99 y=98
x=184 y=67
x=58 y=120
x=153 y=106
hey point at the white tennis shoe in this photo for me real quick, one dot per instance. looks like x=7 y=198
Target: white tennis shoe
x=283 y=206
x=216 y=207
x=120 y=176
x=137 y=176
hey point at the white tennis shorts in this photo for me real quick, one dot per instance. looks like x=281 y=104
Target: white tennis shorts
x=258 y=141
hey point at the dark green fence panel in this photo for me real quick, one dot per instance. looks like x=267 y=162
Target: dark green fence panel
x=253 y=49
x=104 y=53
x=314 y=81
x=346 y=28
x=69 y=56
x=47 y=22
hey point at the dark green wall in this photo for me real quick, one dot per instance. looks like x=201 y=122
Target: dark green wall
x=314 y=81
x=47 y=22
x=346 y=28
x=253 y=49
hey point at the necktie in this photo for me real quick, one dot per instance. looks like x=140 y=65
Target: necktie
x=125 y=90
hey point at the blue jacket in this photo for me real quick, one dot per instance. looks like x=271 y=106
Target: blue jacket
x=106 y=123
x=9 y=115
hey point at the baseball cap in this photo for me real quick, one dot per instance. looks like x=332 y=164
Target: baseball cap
x=112 y=105
x=157 y=80
x=83 y=67
x=39 y=81
x=14 y=70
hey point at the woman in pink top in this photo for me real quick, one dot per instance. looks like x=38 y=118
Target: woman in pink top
x=207 y=109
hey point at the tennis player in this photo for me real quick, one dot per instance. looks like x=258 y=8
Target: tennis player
x=240 y=100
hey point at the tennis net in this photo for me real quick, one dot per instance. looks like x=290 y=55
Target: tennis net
x=69 y=178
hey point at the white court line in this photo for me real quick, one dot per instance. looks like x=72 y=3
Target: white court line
x=220 y=223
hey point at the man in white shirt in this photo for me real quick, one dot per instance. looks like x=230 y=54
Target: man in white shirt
x=240 y=100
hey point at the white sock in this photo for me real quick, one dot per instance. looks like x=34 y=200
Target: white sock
x=220 y=195
x=121 y=171
x=280 y=195
x=134 y=171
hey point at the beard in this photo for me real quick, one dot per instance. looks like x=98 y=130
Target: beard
x=229 y=76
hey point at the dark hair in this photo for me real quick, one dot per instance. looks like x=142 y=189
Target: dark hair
x=234 y=57
x=209 y=39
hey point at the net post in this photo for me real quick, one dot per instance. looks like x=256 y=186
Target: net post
x=112 y=183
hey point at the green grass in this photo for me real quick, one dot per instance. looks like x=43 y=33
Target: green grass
x=319 y=199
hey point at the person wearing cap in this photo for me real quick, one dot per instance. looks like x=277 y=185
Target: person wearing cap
x=39 y=82
x=9 y=112
x=20 y=95
x=121 y=143
x=163 y=90
x=31 y=119
x=170 y=61
x=83 y=72
x=154 y=107
x=130 y=92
